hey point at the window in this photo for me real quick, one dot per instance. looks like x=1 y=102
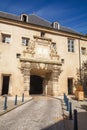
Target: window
x=71 y=45
x=18 y=55
x=25 y=41
x=54 y=45
x=62 y=60
x=6 y=38
x=56 y=25
x=83 y=50
x=24 y=18
x=42 y=34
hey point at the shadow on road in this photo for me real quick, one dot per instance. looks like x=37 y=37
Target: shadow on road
x=56 y=126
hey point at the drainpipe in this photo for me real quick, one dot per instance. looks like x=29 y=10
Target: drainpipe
x=80 y=58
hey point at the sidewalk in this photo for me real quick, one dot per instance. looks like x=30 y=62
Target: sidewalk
x=11 y=103
x=81 y=107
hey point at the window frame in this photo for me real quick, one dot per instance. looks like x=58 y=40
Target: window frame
x=6 y=38
x=71 y=45
x=42 y=34
x=56 y=25
x=83 y=50
x=27 y=41
x=24 y=17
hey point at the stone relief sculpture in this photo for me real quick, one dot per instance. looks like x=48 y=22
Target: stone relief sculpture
x=30 y=49
x=53 y=53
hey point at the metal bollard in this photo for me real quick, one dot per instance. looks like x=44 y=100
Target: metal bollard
x=23 y=97
x=5 y=103
x=64 y=98
x=67 y=104
x=70 y=111
x=15 y=100
x=75 y=120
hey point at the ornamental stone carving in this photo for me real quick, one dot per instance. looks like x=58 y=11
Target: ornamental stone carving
x=53 y=53
x=30 y=49
x=33 y=62
x=40 y=49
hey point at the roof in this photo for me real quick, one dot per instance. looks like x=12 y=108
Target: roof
x=36 y=20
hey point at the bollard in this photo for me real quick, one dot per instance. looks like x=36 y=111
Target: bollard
x=15 y=100
x=64 y=98
x=70 y=111
x=23 y=97
x=67 y=104
x=75 y=120
x=5 y=103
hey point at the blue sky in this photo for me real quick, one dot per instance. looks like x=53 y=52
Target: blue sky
x=69 y=13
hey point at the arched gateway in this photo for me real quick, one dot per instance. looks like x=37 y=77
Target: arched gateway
x=40 y=67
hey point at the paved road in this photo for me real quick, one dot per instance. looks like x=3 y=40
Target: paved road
x=41 y=113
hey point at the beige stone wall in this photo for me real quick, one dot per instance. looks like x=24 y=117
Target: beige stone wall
x=9 y=64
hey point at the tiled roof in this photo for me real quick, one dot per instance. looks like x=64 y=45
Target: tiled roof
x=36 y=20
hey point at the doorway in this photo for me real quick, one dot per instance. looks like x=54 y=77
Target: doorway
x=70 y=85
x=36 y=84
x=5 y=84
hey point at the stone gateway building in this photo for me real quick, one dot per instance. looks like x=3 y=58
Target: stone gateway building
x=37 y=56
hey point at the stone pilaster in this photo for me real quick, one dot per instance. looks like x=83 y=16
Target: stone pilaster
x=25 y=67
x=55 y=76
x=26 y=81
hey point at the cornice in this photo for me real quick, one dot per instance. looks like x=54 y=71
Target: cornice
x=40 y=61
x=40 y=28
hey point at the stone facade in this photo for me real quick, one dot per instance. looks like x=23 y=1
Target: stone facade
x=47 y=56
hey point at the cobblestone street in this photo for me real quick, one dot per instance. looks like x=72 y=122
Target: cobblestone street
x=41 y=113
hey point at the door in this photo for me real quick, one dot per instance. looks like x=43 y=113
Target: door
x=70 y=85
x=5 y=85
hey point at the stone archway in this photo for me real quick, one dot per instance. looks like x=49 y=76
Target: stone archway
x=41 y=57
x=50 y=72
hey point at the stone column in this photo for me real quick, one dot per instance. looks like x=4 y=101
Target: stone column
x=45 y=86
x=55 y=76
x=26 y=82
x=26 y=74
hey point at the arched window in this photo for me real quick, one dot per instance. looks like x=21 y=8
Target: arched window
x=56 y=25
x=24 y=18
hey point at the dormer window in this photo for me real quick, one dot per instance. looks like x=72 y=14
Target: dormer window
x=56 y=25
x=24 y=18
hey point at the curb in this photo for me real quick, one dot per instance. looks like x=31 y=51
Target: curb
x=6 y=111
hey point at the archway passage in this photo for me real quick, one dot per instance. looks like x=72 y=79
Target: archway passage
x=36 y=84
